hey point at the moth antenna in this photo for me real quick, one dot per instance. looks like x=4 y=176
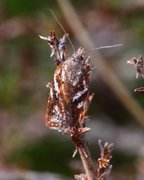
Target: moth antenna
x=57 y=20
x=105 y=47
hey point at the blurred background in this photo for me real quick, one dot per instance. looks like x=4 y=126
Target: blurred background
x=30 y=151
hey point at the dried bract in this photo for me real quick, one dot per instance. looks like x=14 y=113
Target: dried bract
x=58 y=46
x=138 y=64
x=104 y=166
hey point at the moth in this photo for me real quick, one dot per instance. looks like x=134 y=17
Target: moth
x=69 y=97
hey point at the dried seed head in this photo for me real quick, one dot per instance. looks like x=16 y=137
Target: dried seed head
x=58 y=46
x=138 y=64
x=104 y=166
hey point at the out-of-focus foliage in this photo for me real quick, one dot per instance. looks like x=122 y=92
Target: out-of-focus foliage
x=26 y=7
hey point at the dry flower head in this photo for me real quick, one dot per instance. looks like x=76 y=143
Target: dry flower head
x=69 y=97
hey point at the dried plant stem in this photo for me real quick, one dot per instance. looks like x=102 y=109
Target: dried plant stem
x=87 y=164
x=68 y=103
x=81 y=145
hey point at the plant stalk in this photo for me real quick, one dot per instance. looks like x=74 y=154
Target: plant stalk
x=81 y=145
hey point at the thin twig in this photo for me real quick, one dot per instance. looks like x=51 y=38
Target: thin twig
x=80 y=143
x=87 y=163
